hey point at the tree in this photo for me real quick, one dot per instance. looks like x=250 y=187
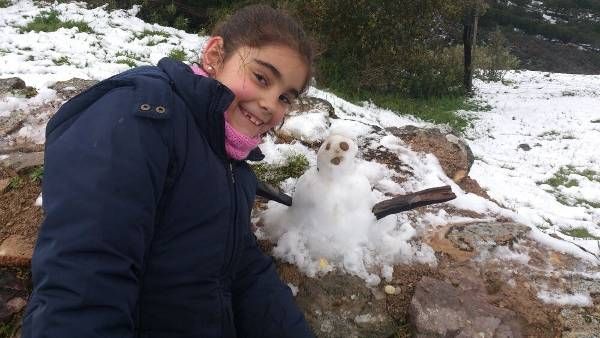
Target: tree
x=472 y=11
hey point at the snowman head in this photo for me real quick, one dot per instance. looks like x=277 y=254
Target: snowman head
x=336 y=155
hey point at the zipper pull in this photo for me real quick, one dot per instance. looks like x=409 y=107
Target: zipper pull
x=231 y=171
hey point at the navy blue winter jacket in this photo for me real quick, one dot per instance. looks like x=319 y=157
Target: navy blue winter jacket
x=147 y=220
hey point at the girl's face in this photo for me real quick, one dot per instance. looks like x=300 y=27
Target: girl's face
x=265 y=81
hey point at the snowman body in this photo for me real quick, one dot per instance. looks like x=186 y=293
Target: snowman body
x=331 y=210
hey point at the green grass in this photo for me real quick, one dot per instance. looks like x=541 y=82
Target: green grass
x=440 y=110
x=131 y=63
x=561 y=177
x=129 y=55
x=5 y=3
x=294 y=166
x=15 y=183
x=147 y=32
x=8 y=328
x=63 y=60
x=37 y=174
x=178 y=54
x=49 y=22
x=579 y=233
x=549 y=133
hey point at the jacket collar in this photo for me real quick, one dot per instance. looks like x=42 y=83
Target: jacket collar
x=207 y=99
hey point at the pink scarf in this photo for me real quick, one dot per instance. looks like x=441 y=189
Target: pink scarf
x=237 y=145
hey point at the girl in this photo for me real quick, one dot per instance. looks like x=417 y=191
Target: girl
x=147 y=195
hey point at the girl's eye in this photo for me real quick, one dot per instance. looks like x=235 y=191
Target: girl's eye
x=285 y=100
x=261 y=79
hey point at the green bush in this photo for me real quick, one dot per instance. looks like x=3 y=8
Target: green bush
x=5 y=3
x=493 y=60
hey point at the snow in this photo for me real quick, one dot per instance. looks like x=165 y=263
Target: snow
x=577 y=299
x=552 y=113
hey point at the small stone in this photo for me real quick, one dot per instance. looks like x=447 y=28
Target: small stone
x=525 y=146
x=16 y=304
x=16 y=246
x=389 y=289
x=323 y=264
x=4 y=185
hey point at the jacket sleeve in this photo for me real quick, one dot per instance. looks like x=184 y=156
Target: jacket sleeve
x=264 y=306
x=103 y=176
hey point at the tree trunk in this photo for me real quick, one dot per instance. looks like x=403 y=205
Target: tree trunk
x=468 y=49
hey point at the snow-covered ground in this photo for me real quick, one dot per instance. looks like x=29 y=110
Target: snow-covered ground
x=537 y=149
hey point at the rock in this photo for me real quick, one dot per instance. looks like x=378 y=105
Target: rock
x=308 y=121
x=4 y=183
x=11 y=123
x=16 y=246
x=481 y=235
x=16 y=304
x=13 y=291
x=310 y=103
x=10 y=84
x=23 y=162
x=524 y=146
x=455 y=156
x=16 y=87
x=580 y=322
x=69 y=88
x=438 y=309
x=337 y=305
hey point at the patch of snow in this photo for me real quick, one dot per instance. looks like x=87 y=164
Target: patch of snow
x=293 y=288
x=562 y=299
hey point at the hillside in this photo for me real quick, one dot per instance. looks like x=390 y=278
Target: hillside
x=551 y=35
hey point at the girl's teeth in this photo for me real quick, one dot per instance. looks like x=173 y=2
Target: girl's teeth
x=252 y=119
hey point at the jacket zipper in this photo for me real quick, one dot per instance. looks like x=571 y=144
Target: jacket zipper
x=232 y=251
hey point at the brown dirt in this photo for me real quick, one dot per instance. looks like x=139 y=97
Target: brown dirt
x=18 y=215
x=471 y=186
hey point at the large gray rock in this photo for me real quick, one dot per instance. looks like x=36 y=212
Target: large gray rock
x=455 y=156
x=11 y=123
x=69 y=88
x=23 y=162
x=484 y=235
x=343 y=306
x=14 y=86
x=10 y=84
x=438 y=309
x=308 y=121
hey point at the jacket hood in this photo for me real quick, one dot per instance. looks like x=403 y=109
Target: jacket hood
x=206 y=98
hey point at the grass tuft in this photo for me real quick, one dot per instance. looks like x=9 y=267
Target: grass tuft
x=37 y=174
x=294 y=166
x=15 y=183
x=580 y=233
x=5 y=3
x=63 y=60
x=48 y=21
x=561 y=177
x=178 y=54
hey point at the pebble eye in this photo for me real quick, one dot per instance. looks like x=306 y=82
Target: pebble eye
x=344 y=146
x=328 y=146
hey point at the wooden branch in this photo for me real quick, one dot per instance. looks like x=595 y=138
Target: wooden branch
x=413 y=200
x=271 y=193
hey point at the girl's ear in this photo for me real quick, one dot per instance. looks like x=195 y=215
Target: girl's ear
x=213 y=56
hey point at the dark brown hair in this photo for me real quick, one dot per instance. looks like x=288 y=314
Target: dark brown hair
x=260 y=25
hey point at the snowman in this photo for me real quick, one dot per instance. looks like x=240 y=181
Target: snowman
x=330 y=218
x=332 y=222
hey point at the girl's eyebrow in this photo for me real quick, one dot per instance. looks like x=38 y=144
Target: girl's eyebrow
x=277 y=74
